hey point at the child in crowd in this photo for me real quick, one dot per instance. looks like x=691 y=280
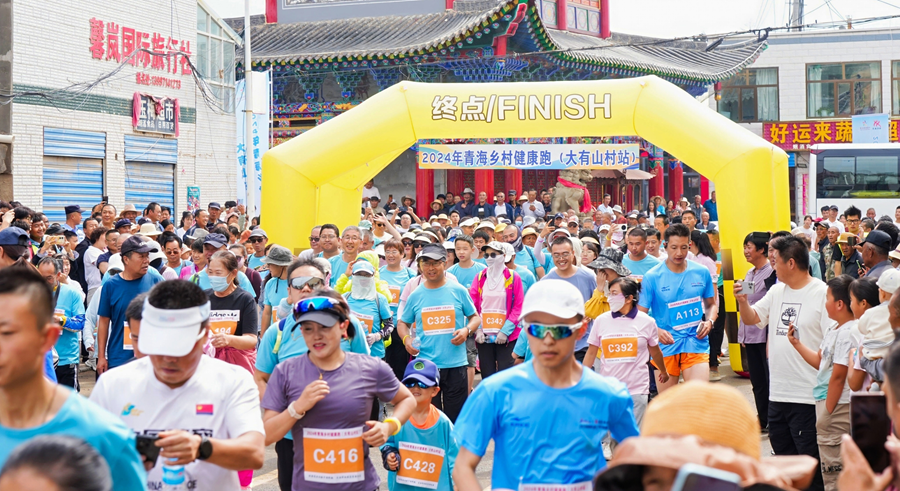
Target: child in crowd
x=875 y=328
x=866 y=296
x=422 y=453
x=831 y=392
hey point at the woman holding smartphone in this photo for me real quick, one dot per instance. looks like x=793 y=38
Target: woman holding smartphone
x=325 y=397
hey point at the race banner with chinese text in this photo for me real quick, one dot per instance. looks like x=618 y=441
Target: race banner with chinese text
x=799 y=135
x=543 y=157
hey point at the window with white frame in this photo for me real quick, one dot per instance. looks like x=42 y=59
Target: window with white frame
x=215 y=57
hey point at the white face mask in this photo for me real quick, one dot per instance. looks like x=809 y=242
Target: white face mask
x=492 y=262
x=616 y=302
x=363 y=287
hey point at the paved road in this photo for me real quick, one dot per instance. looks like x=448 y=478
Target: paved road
x=265 y=479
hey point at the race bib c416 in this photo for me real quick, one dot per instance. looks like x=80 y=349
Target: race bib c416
x=420 y=465
x=438 y=320
x=492 y=321
x=685 y=314
x=333 y=456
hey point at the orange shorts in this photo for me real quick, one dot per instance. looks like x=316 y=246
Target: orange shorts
x=682 y=361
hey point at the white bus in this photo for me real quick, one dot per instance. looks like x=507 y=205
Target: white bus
x=866 y=175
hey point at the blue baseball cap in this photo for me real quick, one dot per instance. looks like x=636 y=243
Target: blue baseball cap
x=363 y=266
x=423 y=371
x=12 y=236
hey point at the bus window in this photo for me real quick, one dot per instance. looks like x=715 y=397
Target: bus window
x=877 y=173
x=836 y=177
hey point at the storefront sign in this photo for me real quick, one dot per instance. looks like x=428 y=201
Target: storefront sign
x=111 y=42
x=800 y=135
x=537 y=157
x=870 y=128
x=155 y=115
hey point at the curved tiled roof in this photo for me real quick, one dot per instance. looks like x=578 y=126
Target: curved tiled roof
x=415 y=35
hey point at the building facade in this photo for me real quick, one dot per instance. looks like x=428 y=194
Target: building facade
x=98 y=122
x=327 y=57
x=804 y=88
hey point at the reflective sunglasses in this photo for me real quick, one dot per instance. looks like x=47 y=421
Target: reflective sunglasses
x=299 y=282
x=558 y=332
x=319 y=304
x=415 y=383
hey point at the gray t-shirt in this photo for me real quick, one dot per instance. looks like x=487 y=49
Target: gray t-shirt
x=353 y=388
x=586 y=283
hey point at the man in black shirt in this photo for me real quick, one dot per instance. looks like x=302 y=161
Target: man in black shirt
x=852 y=261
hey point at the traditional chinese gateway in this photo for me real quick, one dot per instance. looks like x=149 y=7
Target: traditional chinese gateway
x=326 y=57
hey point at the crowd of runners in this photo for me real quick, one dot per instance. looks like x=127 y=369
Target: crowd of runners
x=210 y=342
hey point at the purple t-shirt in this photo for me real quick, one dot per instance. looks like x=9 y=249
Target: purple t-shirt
x=353 y=388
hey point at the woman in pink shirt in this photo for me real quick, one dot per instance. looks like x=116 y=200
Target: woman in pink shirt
x=626 y=338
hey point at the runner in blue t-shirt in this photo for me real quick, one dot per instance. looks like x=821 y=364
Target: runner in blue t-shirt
x=525 y=256
x=396 y=277
x=370 y=307
x=678 y=293
x=68 y=310
x=351 y=239
x=637 y=260
x=444 y=316
x=538 y=445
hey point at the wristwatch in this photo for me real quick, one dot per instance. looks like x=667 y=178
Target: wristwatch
x=294 y=414
x=206 y=449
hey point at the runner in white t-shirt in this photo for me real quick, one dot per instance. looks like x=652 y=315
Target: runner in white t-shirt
x=205 y=412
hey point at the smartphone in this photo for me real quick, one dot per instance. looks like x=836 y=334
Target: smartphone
x=870 y=427
x=56 y=240
x=693 y=477
x=146 y=447
x=851 y=241
x=748 y=287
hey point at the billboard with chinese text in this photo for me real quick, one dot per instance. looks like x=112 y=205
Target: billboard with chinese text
x=535 y=157
x=799 y=135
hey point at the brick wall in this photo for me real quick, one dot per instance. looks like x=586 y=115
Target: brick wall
x=51 y=42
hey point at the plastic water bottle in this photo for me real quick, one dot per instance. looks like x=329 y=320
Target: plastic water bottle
x=174 y=477
x=416 y=343
x=492 y=338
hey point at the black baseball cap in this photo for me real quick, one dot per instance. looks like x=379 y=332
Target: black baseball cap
x=878 y=238
x=123 y=223
x=434 y=251
x=134 y=244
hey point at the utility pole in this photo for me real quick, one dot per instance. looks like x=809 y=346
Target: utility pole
x=796 y=15
x=249 y=161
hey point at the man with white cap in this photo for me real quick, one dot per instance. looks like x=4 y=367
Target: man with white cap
x=114 y=345
x=535 y=443
x=202 y=413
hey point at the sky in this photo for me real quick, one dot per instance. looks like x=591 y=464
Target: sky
x=693 y=16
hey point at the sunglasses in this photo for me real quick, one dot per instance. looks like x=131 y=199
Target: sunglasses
x=407 y=243
x=319 y=304
x=491 y=254
x=313 y=239
x=557 y=332
x=419 y=244
x=415 y=383
x=299 y=282
x=256 y=240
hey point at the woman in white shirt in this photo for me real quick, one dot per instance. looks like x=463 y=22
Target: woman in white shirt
x=704 y=254
x=91 y=270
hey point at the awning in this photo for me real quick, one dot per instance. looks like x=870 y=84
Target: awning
x=629 y=174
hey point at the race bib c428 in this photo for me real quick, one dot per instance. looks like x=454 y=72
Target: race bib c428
x=438 y=320
x=395 y=295
x=685 y=314
x=126 y=338
x=333 y=456
x=367 y=320
x=492 y=321
x=420 y=465
x=224 y=321
x=619 y=348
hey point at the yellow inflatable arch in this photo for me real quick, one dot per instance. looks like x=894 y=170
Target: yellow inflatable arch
x=318 y=176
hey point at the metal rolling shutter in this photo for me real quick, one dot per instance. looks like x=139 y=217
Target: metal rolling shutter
x=73 y=170
x=150 y=171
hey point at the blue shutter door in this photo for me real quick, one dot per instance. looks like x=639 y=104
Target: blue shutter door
x=150 y=171
x=61 y=142
x=147 y=181
x=71 y=181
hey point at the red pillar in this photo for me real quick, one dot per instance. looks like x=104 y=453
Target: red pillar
x=456 y=181
x=424 y=191
x=676 y=182
x=514 y=181
x=704 y=189
x=629 y=198
x=657 y=186
x=604 y=19
x=561 y=15
x=484 y=181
